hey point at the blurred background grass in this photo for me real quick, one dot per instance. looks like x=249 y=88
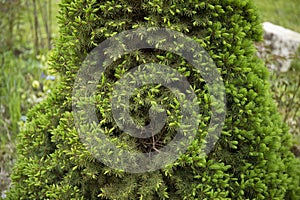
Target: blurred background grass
x=285 y=85
x=27 y=32
x=285 y=13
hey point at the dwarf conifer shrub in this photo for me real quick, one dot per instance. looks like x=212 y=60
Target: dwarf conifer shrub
x=252 y=158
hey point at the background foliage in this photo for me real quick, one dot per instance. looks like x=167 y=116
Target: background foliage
x=285 y=85
x=24 y=75
x=281 y=12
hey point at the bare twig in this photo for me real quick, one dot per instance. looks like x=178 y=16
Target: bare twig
x=36 y=27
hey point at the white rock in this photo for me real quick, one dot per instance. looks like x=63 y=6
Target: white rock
x=282 y=44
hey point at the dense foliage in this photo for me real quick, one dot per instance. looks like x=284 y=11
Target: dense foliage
x=252 y=159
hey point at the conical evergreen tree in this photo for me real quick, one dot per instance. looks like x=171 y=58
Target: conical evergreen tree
x=252 y=158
